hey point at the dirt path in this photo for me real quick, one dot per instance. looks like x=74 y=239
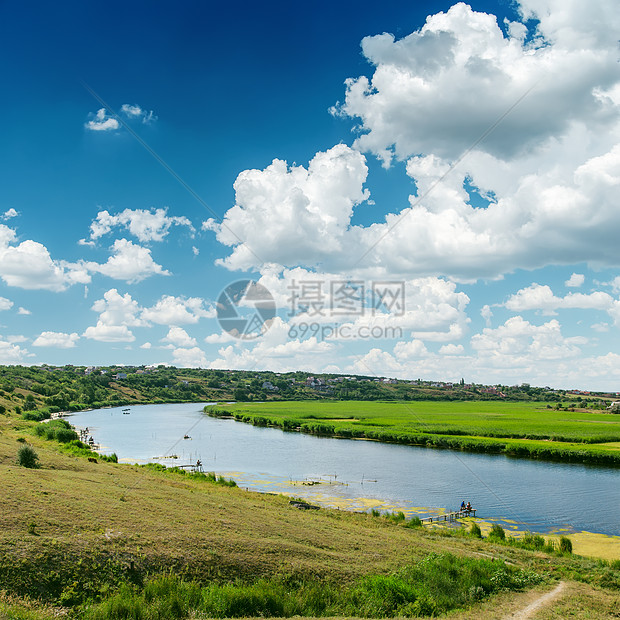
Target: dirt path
x=532 y=608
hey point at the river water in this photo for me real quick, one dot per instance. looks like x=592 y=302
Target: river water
x=351 y=474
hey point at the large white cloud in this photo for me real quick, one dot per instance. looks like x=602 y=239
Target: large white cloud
x=549 y=170
x=276 y=350
x=171 y=310
x=116 y=314
x=109 y=333
x=29 y=265
x=178 y=337
x=117 y=309
x=440 y=89
x=190 y=357
x=541 y=297
x=59 y=340
x=129 y=262
x=11 y=353
x=293 y=215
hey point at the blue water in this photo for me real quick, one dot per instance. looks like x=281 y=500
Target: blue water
x=532 y=495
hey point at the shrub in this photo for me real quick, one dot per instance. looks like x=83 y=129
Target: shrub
x=33 y=416
x=414 y=522
x=497 y=532
x=27 y=457
x=474 y=531
x=566 y=546
x=533 y=541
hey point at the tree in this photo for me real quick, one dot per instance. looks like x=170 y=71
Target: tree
x=240 y=394
x=30 y=404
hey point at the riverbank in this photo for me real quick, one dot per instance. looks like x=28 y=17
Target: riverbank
x=74 y=531
x=522 y=430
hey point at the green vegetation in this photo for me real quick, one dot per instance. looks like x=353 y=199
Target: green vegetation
x=27 y=457
x=102 y=540
x=35 y=392
x=84 y=538
x=497 y=532
x=522 y=429
x=436 y=584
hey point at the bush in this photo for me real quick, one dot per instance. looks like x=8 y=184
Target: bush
x=414 y=522
x=27 y=457
x=34 y=416
x=497 y=532
x=533 y=541
x=566 y=546
x=474 y=531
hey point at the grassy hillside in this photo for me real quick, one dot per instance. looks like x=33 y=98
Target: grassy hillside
x=73 y=532
x=527 y=429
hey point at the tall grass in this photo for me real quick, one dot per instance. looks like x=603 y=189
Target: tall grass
x=435 y=585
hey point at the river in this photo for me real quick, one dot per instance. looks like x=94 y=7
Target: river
x=522 y=494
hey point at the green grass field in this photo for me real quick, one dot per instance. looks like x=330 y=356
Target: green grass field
x=522 y=429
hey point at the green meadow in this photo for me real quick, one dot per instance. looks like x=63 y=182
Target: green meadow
x=526 y=429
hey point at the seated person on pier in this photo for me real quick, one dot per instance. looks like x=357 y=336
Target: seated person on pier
x=468 y=508
x=463 y=505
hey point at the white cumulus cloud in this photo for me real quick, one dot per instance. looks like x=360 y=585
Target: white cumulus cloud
x=102 y=121
x=541 y=297
x=192 y=357
x=292 y=215
x=146 y=225
x=10 y=213
x=29 y=265
x=129 y=262
x=59 y=340
x=171 y=310
x=575 y=281
x=549 y=169
x=178 y=337
x=109 y=333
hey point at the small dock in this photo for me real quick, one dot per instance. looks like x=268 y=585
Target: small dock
x=194 y=467
x=450 y=516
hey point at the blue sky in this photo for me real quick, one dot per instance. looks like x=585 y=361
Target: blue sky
x=468 y=155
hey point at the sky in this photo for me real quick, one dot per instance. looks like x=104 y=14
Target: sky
x=401 y=189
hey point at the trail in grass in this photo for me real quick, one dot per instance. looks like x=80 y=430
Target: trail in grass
x=532 y=608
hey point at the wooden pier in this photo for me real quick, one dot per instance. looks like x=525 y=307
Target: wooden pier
x=450 y=516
